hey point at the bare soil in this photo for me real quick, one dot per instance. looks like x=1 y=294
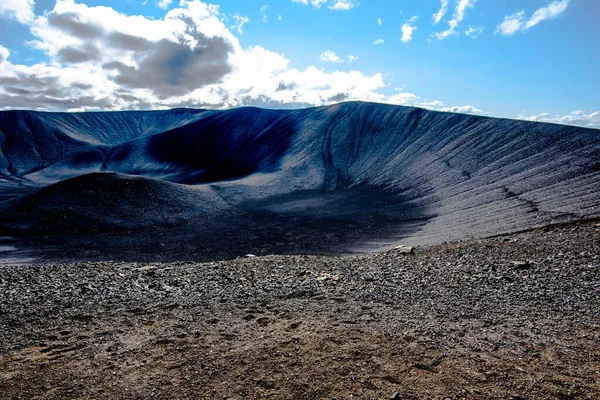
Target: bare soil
x=509 y=317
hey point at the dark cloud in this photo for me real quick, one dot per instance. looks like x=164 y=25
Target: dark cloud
x=174 y=69
x=16 y=90
x=31 y=91
x=70 y=23
x=82 y=86
x=195 y=103
x=167 y=68
x=73 y=55
x=286 y=86
x=28 y=83
x=128 y=42
x=42 y=101
x=119 y=66
x=266 y=102
x=337 y=98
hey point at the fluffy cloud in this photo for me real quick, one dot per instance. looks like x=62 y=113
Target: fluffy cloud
x=164 y=4
x=314 y=3
x=461 y=110
x=440 y=106
x=20 y=10
x=408 y=29
x=457 y=17
x=330 y=56
x=579 y=118
x=4 y=53
x=379 y=21
x=379 y=41
x=341 y=5
x=437 y=17
x=516 y=22
x=99 y=59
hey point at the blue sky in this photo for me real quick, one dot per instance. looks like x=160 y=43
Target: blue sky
x=535 y=59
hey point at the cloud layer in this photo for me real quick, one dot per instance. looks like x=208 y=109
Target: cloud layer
x=102 y=59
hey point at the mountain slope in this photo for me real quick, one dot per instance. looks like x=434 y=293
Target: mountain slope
x=30 y=141
x=377 y=171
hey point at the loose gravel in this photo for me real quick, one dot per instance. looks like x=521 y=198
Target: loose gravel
x=515 y=316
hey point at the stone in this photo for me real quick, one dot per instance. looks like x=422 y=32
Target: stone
x=521 y=264
x=402 y=249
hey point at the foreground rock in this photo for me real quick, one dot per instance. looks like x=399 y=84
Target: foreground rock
x=503 y=317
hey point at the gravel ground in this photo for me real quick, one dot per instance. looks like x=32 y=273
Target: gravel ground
x=514 y=316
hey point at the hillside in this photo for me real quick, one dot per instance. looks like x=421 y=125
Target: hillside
x=334 y=179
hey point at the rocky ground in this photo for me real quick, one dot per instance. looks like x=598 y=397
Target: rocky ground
x=514 y=316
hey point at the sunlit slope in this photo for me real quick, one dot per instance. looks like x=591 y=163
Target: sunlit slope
x=461 y=175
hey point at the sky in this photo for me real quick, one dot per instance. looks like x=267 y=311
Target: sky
x=525 y=59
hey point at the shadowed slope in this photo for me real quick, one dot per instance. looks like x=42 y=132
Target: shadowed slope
x=284 y=170
x=31 y=141
x=107 y=203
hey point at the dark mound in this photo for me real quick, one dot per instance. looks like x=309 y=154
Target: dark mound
x=353 y=175
x=112 y=216
x=104 y=202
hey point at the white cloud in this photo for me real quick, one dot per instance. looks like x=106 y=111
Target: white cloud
x=352 y=58
x=412 y=100
x=4 y=54
x=263 y=11
x=408 y=30
x=343 y=5
x=516 y=22
x=437 y=17
x=314 y=3
x=457 y=17
x=545 y=13
x=339 y=5
x=511 y=24
x=20 y=10
x=579 y=118
x=164 y=4
x=437 y=105
x=99 y=59
x=379 y=21
x=240 y=20
x=461 y=110
x=474 y=32
x=330 y=56
x=379 y=41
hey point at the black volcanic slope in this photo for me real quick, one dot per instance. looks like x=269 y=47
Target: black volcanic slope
x=194 y=184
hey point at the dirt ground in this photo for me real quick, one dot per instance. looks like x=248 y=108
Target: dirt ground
x=512 y=317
